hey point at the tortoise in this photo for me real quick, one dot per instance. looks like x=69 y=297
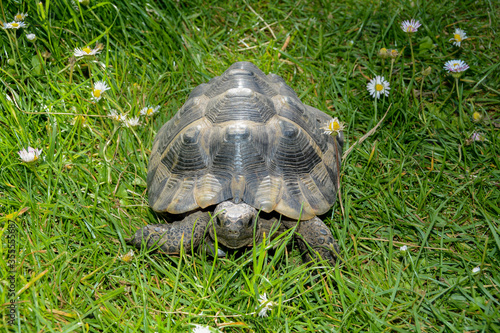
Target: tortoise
x=240 y=152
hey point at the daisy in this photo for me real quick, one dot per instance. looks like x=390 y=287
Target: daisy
x=476 y=270
x=383 y=53
x=458 y=37
x=456 y=66
x=334 y=127
x=265 y=305
x=378 y=86
x=99 y=88
x=116 y=117
x=14 y=25
x=20 y=17
x=86 y=51
x=410 y=26
x=477 y=137
x=29 y=155
x=127 y=257
x=149 y=110
x=31 y=37
x=201 y=329
x=403 y=248
x=476 y=116
x=132 y=122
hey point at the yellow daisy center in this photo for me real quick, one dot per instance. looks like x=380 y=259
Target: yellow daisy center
x=15 y=25
x=457 y=37
x=334 y=126
x=409 y=28
x=18 y=17
x=97 y=93
x=379 y=87
x=87 y=50
x=150 y=110
x=35 y=158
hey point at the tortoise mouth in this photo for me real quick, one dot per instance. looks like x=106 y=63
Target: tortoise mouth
x=234 y=224
x=235 y=241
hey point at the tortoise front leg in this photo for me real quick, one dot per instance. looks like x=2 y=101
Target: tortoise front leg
x=168 y=237
x=316 y=234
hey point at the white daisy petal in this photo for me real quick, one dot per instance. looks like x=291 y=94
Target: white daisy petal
x=20 y=17
x=29 y=155
x=334 y=127
x=85 y=51
x=410 y=26
x=149 y=110
x=132 y=122
x=456 y=66
x=378 y=86
x=265 y=305
x=14 y=25
x=113 y=114
x=99 y=88
x=458 y=37
x=201 y=329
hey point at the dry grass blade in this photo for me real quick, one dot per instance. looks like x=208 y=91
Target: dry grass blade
x=364 y=137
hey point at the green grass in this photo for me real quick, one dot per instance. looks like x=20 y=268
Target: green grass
x=417 y=181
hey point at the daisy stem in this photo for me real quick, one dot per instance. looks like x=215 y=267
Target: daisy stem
x=40 y=180
x=90 y=73
x=390 y=73
x=412 y=56
x=460 y=111
x=72 y=67
x=375 y=101
x=143 y=151
x=422 y=98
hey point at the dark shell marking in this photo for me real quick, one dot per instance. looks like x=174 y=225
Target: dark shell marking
x=245 y=137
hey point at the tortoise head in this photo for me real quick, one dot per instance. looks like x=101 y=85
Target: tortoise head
x=234 y=224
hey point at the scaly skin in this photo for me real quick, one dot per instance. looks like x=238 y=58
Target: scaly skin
x=167 y=237
x=319 y=237
x=312 y=234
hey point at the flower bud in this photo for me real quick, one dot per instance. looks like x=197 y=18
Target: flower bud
x=393 y=53
x=427 y=71
x=476 y=116
x=383 y=53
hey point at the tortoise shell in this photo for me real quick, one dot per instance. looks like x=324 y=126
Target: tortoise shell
x=245 y=136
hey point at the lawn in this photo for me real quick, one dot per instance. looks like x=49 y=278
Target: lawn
x=417 y=219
